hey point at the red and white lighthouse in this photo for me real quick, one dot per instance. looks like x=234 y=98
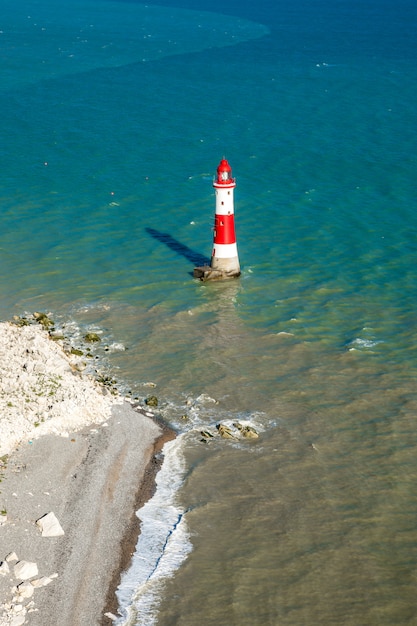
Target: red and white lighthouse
x=224 y=258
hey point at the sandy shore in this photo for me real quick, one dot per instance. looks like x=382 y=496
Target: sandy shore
x=93 y=477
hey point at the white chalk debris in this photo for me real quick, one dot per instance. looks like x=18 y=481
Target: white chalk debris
x=41 y=582
x=49 y=525
x=14 y=610
x=25 y=590
x=40 y=394
x=25 y=570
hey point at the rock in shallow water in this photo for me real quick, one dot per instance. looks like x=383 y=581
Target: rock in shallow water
x=242 y=431
x=92 y=337
x=151 y=401
x=225 y=431
x=246 y=431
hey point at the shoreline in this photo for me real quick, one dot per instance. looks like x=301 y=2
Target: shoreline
x=128 y=544
x=72 y=449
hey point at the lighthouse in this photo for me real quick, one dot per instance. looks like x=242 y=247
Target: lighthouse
x=224 y=257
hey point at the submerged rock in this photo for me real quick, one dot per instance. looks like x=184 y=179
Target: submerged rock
x=206 y=436
x=151 y=401
x=225 y=432
x=242 y=431
x=43 y=319
x=92 y=338
x=246 y=431
x=76 y=352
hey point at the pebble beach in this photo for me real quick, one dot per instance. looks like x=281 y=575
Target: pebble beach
x=74 y=454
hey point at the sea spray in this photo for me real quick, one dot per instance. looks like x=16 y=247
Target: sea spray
x=162 y=546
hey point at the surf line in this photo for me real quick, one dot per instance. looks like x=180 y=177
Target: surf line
x=164 y=547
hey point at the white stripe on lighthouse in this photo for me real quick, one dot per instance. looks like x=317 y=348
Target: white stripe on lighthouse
x=224 y=201
x=224 y=250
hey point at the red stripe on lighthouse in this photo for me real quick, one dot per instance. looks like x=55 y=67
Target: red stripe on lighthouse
x=224 y=229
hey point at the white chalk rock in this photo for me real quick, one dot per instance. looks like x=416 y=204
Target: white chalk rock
x=3 y=519
x=41 y=582
x=25 y=590
x=25 y=570
x=19 y=620
x=49 y=525
x=11 y=557
x=4 y=568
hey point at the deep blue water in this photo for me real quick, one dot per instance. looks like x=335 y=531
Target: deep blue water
x=114 y=118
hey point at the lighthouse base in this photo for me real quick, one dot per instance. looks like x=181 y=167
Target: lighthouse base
x=205 y=273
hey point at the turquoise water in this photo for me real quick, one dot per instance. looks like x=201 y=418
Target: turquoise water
x=114 y=118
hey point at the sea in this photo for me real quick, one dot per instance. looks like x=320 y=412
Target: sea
x=114 y=117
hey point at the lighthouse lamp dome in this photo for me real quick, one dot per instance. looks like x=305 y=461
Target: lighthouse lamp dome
x=224 y=173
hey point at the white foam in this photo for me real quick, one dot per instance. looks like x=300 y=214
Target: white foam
x=359 y=343
x=162 y=546
x=116 y=347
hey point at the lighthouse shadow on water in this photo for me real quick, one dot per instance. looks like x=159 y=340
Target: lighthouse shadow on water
x=191 y=255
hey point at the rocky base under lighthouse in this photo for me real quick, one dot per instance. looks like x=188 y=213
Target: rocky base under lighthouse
x=206 y=272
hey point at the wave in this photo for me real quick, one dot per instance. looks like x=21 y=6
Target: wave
x=163 y=543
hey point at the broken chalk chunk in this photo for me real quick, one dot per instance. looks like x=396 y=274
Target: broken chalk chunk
x=25 y=570
x=49 y=525
x=4 y=568
x=12 y=556
x=25 y=590
x=41 y=582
